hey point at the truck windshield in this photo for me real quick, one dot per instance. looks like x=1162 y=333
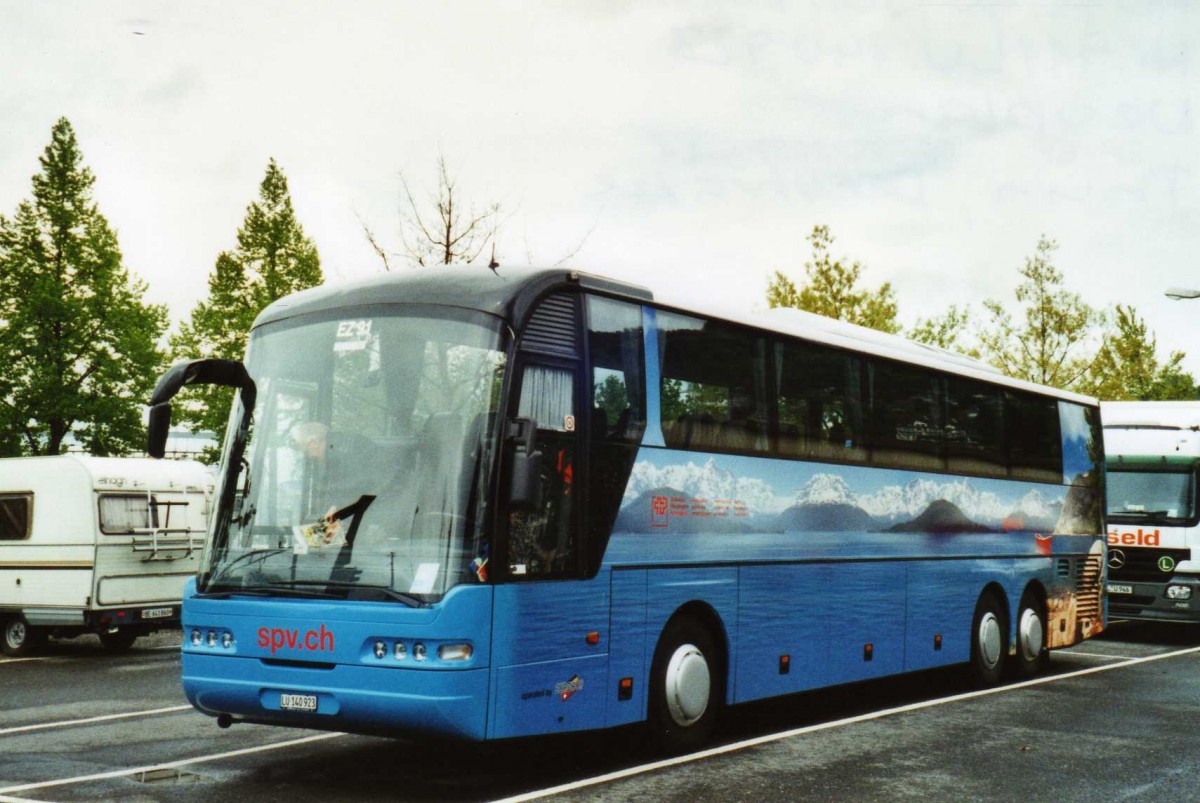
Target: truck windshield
x=1151 y=496
x=365 y=470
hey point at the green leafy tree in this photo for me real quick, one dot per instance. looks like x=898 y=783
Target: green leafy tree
x=1127 y=366
x=947 y=331
x=273 y=258
x=77 y=339
x=1053 y=340
x=830 y=288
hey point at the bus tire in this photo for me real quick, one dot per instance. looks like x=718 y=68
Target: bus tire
x=119 y=641
x=18 y=638
x=687 y=679
x=989 y=641
x=1032 y=655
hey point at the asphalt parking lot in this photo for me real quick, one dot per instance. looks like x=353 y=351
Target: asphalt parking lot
x=1116 y=718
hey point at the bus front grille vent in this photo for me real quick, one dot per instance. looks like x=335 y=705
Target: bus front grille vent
x=1063 y=567
x=1088 y=594
x=552 y=327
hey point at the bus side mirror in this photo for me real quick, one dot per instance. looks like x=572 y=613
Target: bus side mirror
x=230 y=373
x=525 y=490
x=157 y=429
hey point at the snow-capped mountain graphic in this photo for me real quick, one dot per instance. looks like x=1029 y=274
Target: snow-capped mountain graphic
x=942 y=516
x=1034 y=512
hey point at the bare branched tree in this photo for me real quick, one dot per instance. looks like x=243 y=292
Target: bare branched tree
x=448 y=231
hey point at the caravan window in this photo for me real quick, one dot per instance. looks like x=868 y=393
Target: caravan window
x=122 y=514
x=15 y=516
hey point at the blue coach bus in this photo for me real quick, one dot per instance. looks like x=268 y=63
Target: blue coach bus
x=487 y=504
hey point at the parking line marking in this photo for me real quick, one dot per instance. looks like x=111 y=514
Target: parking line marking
x=66 y=657
x=64 y=723
x=169 y=765
x=1097 y=655
x=775 y=737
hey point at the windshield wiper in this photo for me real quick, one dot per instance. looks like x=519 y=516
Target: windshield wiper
x=386 y=591
x=265 y=591
x=1151 y=515
x=260 y=554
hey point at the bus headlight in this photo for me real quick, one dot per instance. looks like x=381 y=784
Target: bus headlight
x=226 y=639
x=419 y=652
x=455 y=652
x=401 y=651
x=212 y=638
x=380 y=649
x=1179 y=592
x=197 y=637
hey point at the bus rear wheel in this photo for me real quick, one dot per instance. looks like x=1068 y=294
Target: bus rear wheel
x=989 y=641
x=686 y=682
x=19 y=638
x=1032 y=654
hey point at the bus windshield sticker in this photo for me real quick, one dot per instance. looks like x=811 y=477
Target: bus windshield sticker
x=352 y=335
x=425 y=578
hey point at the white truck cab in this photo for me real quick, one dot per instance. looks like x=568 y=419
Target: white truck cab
x=100 y=545
x=1152 y=455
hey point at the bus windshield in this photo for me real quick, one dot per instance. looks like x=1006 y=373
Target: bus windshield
x=1151 y=496
x=365 y=470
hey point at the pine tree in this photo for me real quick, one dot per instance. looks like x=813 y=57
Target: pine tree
x=77 y=340
x=831 y=288
x=273 y=258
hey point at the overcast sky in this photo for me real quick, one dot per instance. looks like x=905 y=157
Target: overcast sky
x=697 y=143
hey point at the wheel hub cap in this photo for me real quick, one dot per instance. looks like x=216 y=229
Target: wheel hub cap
x=688 y=685
x=989 y=639
x=16 y=633
x=1031 y=633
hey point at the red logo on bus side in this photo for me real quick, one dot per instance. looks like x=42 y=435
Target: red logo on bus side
x=1140 y=538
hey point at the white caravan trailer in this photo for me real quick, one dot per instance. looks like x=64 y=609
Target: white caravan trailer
x=94 y=544
x=1152 y=452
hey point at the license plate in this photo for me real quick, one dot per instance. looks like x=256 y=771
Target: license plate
x=157 y=613
x=1114 y=588
x=298 y=702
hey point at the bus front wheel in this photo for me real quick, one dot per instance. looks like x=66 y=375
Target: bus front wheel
x=686 y=681
x=989 y=641
x=19 y=638
x=1031 y=655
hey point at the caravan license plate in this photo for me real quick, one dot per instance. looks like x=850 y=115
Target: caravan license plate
x=1114 y=588
x=157 y=613
x=298 y=702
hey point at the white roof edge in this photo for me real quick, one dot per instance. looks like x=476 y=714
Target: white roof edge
x=833 y=332
x=1181 y=414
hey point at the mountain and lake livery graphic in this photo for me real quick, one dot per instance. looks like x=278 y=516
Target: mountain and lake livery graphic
x=734 y=494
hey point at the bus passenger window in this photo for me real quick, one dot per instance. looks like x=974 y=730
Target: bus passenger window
x=974 y=428
x=713 y=386
x=906 y=416
x=819 y=405
x=1032 y=432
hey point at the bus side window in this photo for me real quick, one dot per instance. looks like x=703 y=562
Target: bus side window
x=819 y=405
x=713 y=386
x=542 y=541
x=906 y=416
x=974 y=428
x=1033 y=435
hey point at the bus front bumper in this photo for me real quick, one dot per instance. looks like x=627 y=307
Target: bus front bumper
x=355 y=699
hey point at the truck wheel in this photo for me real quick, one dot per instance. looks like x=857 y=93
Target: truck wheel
x=686 y=686
x=989 y=641
x=119 y=641
x=19 y=638
x=1032 y=655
